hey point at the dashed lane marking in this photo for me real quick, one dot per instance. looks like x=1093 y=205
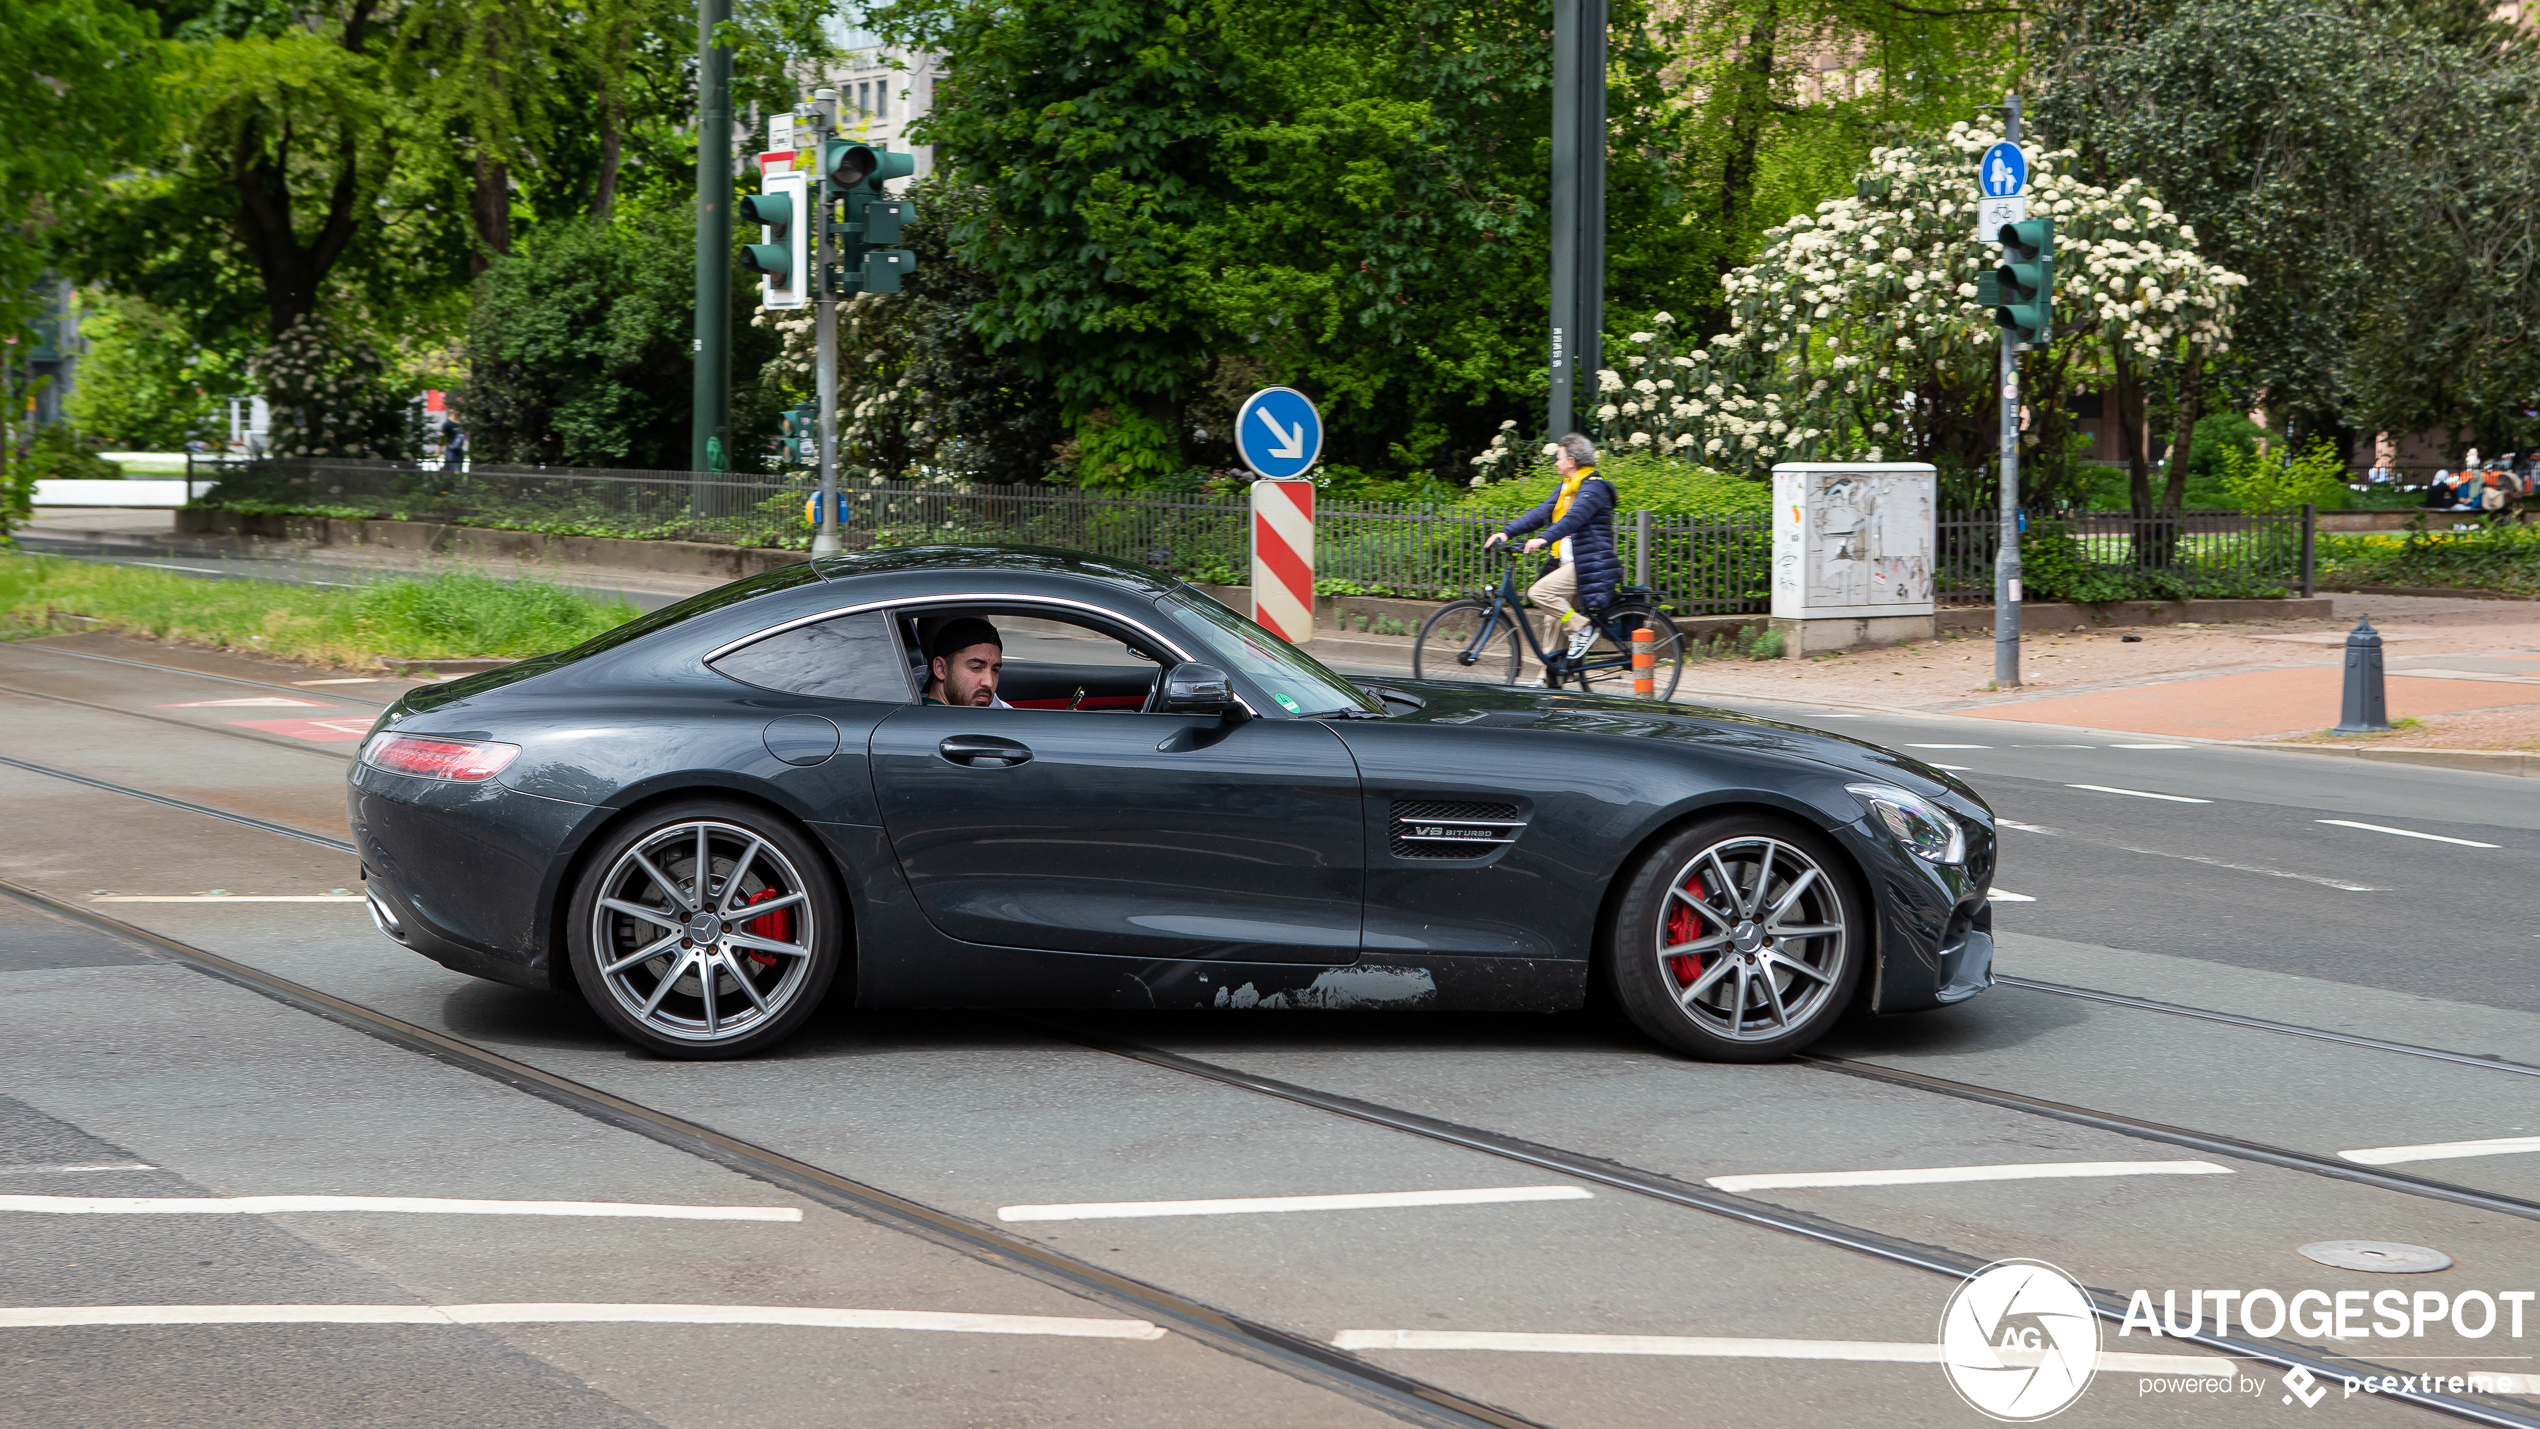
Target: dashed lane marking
x=226 y=898
x=47 y=1316
x=1251 y=1205
x=65 y=1170
x=1713 y=1347
x=2004 y=895
x=1944 y=1175
x=2137 y=793
x=426 y=1205
x=2151 y=746
x=2408 y=833
x=2442 y=1150
x=2321 y=880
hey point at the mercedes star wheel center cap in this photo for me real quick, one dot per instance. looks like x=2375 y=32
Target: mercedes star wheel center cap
x=1747 y=937
x=705 y=928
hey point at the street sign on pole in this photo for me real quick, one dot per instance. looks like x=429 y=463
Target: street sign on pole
x=2003 y=175
x=1278 y=434
x=1283 y=559
x=2004 y=171
x=1994 y=214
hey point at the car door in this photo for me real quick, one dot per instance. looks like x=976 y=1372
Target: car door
x=1143 y=835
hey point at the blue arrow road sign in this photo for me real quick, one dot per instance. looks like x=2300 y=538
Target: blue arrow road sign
x=1278 y=433
x=2003 y=173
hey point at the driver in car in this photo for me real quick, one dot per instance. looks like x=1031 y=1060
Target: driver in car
x=968 y=658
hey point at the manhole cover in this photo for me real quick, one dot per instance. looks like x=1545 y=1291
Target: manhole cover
x=2387 y=1257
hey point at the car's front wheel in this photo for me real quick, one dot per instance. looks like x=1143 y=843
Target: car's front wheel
x=705 y=929
x=1739 y=939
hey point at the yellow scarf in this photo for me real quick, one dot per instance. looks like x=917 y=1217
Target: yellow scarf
x=1570 y=488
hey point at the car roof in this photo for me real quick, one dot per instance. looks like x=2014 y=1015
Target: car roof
x=1034 y=560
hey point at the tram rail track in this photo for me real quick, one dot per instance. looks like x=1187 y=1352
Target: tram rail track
x=1297 y=1354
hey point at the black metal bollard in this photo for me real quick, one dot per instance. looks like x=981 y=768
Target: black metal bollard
x=2366 y=711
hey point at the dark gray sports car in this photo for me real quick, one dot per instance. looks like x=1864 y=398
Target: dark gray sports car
x=709 y=816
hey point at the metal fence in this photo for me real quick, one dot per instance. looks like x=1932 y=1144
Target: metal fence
x=1699 y=565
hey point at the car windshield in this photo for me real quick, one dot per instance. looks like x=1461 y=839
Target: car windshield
x=1297 y=681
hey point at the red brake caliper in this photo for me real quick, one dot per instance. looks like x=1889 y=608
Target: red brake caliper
x=776 y=927
x=1683 y=927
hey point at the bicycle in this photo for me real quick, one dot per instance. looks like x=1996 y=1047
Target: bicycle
x=1477 y=639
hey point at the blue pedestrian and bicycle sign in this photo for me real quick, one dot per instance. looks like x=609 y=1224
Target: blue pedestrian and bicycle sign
x=2003 y=173
x=1278 y=434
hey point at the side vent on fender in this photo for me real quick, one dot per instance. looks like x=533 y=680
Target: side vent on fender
x=1445 y=828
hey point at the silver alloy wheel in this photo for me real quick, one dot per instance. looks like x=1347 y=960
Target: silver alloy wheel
x=703 y=965
x=1751 y=941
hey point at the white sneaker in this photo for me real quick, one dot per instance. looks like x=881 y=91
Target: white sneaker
x=1580 y=640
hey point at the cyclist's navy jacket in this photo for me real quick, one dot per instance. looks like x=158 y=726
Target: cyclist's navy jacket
x=1589 y=528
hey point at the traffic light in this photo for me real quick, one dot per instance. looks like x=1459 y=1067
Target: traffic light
x=2024 y=285
x=870 y=220
x=782 y=210
x=800 y=446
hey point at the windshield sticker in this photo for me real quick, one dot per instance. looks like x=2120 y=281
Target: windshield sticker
x=1287 y=704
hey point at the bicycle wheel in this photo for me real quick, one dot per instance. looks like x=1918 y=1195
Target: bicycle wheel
x=1452 y=645
x=1610 y=671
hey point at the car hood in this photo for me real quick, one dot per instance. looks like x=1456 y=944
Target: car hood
x=1559 y=712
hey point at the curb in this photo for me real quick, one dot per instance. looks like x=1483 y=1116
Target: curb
x=2483 y=761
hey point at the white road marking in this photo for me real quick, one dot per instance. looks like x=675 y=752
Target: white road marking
x=2408 y=833
x=2004 y=895
x=252 y=702
x=2338 y=883
x=2151 y=746
x=1868 y=1351
x=46 y=1316
x=364 y=680
x=2442 y=1150
x=430 y=1205
x=1244 y=1205
x=2137 y=793
x=163 y=566
x=1949 y=746
x=1944 y=1175
x=227 y=898
x=62 y=1170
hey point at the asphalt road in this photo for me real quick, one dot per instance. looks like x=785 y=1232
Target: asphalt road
x=131 y=1073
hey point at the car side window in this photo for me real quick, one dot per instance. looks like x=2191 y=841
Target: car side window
x=850 y=657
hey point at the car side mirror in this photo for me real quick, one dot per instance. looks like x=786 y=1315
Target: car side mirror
x=1196 y=689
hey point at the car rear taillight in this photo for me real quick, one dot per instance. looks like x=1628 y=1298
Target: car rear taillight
x=427 y=758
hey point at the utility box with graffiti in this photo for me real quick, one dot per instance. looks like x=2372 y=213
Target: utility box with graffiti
x=1852 y=553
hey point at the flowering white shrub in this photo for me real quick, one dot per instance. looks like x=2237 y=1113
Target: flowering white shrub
x=1855 y=334
x=330 y=395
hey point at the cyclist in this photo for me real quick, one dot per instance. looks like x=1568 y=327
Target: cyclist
x=1578 y=522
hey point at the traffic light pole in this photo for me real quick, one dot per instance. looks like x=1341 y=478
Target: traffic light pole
x=711 y=395
x=2006 y=565
x=824 y=535
x=1578 y=209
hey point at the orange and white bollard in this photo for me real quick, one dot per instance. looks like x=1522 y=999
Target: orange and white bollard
x=1645 y=663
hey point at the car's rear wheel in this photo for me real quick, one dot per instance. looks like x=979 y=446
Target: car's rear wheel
x=1739 y=939
x=705 y=929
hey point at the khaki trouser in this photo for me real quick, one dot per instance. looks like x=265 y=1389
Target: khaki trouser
x=1558 y=593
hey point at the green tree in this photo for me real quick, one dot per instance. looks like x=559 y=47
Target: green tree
x=76 y=83
x=145 y=384
x=578 y=345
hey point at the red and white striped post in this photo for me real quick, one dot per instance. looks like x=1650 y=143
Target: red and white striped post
x=1283 y=558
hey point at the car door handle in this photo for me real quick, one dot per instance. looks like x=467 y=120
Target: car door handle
x=984 y=751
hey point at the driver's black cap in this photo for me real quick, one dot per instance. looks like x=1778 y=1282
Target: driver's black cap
x=955 y=636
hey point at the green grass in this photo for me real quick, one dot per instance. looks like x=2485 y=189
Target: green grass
x=454 y=615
